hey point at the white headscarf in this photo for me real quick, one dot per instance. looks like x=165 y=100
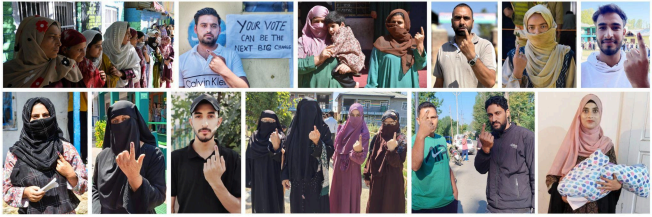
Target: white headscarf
x=89 y=35
x=122 y=56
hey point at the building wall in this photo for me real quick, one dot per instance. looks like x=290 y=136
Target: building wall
x=261 y=73
x=60 y=101
x=89 y=15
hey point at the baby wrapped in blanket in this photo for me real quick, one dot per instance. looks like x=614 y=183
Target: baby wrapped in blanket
x=580 y=184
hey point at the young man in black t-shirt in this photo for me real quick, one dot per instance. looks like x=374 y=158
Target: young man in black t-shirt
x=205 y=175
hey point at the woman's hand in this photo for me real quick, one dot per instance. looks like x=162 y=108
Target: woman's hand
x=419 y=37
x=33 y=193
x=520 y=61
x=610 y=184
x=324 y=55
x=103 y=76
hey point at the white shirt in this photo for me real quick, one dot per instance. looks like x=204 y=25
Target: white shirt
x=332 y=124
x=194 y=70
x=597 y=74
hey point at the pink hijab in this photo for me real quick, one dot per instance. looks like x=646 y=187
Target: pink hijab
x=580 y=141
x=314 y=37
x=165 y=46
x=351 y=131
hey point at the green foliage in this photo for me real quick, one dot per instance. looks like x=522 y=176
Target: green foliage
x=228 y=133
x=587 y=16
x=257 y=102
x=100 y=126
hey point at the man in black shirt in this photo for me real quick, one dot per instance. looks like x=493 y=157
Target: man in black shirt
x=205 y=175
x=508 y=156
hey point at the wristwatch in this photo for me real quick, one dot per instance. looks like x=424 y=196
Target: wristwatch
x=472 y=61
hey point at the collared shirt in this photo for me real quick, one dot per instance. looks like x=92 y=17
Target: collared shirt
x=194 y=70
x=332 y=124
x=190 y=187
x=454 y=68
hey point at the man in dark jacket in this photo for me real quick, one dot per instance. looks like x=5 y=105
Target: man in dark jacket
x=508 y=155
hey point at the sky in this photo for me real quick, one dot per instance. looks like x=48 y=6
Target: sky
x=633 y=10
x=466 y=101
x=438 y=7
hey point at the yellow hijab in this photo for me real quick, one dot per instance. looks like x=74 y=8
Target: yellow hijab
x=545 y=58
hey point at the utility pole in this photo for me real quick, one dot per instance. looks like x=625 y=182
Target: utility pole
x=451 y=114
x=457 y=110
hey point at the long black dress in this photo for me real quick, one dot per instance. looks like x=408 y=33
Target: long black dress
x=304 y=161
x=264 y=168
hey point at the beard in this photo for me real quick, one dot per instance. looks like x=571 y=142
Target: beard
x=207 y=138
x=208 y=42
x=500 y=130
x=459 y=32
x=610 y=51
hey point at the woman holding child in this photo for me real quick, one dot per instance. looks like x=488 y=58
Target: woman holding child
x=315 y=61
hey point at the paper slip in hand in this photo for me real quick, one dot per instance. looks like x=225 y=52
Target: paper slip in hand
x=51 y=185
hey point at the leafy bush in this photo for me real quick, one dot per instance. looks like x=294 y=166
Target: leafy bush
x=100 y=126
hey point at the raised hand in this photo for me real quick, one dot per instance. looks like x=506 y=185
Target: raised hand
x=315 y=136
x=357 y=147
x=420 y=36
x=214 y=168
x=276 y=140
x=637 y=65
x=467 y=47
x=217 y=64
x=128 y=163
x=519 y=61
x=391 y=144
x=486 y=139
x=425 y=126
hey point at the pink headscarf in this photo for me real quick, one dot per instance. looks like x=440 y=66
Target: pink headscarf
x=314 y=37
x=351 y=131
x=165 y=46
x=580 y=141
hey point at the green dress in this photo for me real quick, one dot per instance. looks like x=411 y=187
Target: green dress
x=385 y=70
x=317 y=76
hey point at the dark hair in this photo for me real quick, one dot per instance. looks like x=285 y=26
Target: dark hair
x=498 y=100
x=397 y=14
x=140 y=34
x=464 y=5
x=610 y=8
x=331 y=113
x=424 y=105
x=334 y=17
x=96 y=39
x=591 y=101
x=207 y=11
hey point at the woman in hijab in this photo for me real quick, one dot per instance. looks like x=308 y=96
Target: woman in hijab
x=308 y=149
x=36 y=62
x=538 y=61
x=100 y=60
x=351 y=150
x=315 y=55
x=122 y=53
x=264 y=155
x=129 y=174
x=383 y=173
x=142 y=50
x=397 y=57
x=133 y=40
x=74 y=47
x=584 y=137
x=40 y=156
x=153 y=45
x=167 y=52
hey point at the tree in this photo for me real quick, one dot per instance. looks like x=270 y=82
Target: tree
x=425 y=97
x=257 y=102
x=587 y=16
x=521 y=107
x=479 y=112
x=228 y=134
x=485 y=29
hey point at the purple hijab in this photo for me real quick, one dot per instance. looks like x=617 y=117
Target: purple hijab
x=351 y=131
x=315 y=36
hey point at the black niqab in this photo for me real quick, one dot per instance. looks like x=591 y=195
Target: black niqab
x=260 y=140
x=40 y=140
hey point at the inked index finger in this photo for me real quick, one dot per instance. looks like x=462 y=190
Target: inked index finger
x=132 y=152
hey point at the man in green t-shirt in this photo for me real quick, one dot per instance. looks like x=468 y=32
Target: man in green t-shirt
x=433 y=182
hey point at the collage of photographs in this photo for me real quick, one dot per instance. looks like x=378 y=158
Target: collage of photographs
x=138 y=121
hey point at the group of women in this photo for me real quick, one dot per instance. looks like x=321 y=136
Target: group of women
x=395 y=58
x=48 y=56
x=128 y=177
x=299 y=162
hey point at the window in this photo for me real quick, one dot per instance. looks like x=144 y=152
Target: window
x=64 y=13
x=8 y=111
x=384 y=104
x=404 y=107
x=367 y=103
x=110 y=16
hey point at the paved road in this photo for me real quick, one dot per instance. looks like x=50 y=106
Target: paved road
x=471 y=186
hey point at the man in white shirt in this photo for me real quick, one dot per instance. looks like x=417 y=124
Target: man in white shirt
x=332 y=124
x=611 y=67
x=208 y=64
